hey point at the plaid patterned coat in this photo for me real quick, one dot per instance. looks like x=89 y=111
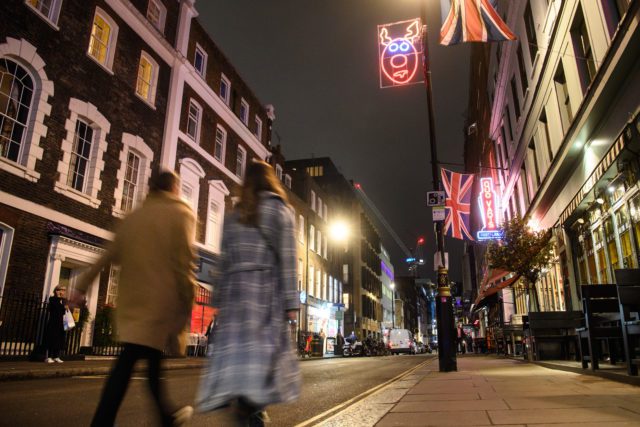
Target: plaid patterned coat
x=253 y=356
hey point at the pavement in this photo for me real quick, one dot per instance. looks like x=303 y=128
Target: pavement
x=487 y=390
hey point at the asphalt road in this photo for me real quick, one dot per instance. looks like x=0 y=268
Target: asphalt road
x=69 y=402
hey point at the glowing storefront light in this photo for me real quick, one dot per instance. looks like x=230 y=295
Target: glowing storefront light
x=400 y=49
x=489 y=211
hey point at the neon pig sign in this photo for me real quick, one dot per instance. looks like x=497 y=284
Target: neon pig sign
x=400 y=50
x=489 y=211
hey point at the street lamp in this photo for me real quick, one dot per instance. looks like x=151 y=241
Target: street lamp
x=393 y=306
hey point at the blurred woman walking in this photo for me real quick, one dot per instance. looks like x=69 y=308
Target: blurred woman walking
x=253 y=362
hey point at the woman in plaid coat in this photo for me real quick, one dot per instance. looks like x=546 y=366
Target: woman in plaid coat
x=253 y=362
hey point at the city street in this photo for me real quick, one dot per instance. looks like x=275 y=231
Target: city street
x=71 y=401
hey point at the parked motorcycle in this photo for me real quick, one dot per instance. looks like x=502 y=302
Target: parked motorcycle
x=355 y=348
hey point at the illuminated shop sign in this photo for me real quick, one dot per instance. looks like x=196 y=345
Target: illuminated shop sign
x=400 y=53
x=488 y=211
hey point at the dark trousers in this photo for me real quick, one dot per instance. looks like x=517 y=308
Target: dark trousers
x=118 y=382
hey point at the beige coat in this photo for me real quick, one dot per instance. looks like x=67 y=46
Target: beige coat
x=154 y=248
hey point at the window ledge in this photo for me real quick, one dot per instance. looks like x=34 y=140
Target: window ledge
x=76 y=195
x=43 y=16
x=146 y=101
x=19 y=170
x=104 y=67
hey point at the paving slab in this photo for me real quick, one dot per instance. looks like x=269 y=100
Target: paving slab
x=449 y=405
x=441 y=397
x=446 y=418
x=563 y=415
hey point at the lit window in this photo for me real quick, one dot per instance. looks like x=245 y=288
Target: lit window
x=279 y=172
x=103 y=39
x=193 y=120
x=131 y=176
x=16 y=92
x=313 y=200
x=319 y=243
x=240 y=162
x=49 y=9
x=258 y=130
x=80 y=156
x=244 y=112
x=225 y=89
x=301 y=228
x=326 y=212
x=200 y=61
x=287 y=181
x=319 y=207
x=221 y=142
x=312 y=237
x=156 y=14
x=147 y=78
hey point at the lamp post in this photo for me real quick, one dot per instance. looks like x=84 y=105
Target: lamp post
x=444 y=309
x=393 y=306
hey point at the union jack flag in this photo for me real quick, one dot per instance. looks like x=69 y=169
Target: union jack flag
x=473 y=21
x=457 y=204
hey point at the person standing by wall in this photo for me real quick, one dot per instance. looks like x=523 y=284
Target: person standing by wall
x=154 y=248
x=54 y=338
x=253 y=363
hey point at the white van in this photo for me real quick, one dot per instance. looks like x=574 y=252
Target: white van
x=400 y=341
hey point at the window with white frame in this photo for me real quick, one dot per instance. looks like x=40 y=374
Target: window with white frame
x=310 y=278
x=6 y=241
x=318 y=291
x=225 y=89
x=241 y=159
x=133 y=176
x=313 y=200
x=319 y=243
x=157 y=14
x=331 y=290
x=193 y=120
x=48 y=9
x=147 y=78
x=324 y=249
x=301 y=228
x=190 y=175
x=258 y=131
x=24 y=107
x=325 y=288
x=16 y=94
x=83 y=150
x=102 y=42
x=112 y=287
x=200 y=60
x=287 y=181
x=312 y=238
x=215 y=214
x=319 y=207
x=220 y=145
x=244 y=112
x=326 y=213
x=279 y=172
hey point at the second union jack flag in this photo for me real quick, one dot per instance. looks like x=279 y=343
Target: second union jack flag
x=473 y=21
x=457 y=204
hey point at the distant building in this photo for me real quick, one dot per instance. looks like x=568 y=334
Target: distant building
x=388 y=288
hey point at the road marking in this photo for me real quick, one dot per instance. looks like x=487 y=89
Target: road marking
x=362 y=395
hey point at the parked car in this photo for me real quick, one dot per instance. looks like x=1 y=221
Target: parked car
x=401 y=341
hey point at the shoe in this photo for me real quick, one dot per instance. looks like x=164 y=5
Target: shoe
x=182 y=415
x=259 y=419
x=48 y=360
x=57 y=359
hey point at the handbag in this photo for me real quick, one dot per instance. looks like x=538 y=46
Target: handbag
x=68 y=321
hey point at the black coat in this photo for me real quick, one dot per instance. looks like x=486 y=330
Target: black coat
x=55 y=325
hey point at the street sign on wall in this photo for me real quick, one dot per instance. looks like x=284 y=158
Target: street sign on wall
x=400 y=53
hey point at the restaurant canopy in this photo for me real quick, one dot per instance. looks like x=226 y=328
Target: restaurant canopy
x=492 y=283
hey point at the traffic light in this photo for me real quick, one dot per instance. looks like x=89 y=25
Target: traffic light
x=420 y=240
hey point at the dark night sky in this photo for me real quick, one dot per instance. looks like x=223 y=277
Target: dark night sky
x=316 y=62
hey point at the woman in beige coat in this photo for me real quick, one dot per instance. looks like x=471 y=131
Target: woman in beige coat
x=154 y=248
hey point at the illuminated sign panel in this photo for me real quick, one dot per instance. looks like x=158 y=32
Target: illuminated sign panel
x=489 y=211
x=400 y=53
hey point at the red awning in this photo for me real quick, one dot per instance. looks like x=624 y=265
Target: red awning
x=491 y=285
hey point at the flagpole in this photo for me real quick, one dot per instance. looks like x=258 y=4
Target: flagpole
x=444 y=306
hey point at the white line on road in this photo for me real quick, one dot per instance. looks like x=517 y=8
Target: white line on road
x=361 y=396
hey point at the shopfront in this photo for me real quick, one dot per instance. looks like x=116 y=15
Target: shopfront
x=603 y=220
